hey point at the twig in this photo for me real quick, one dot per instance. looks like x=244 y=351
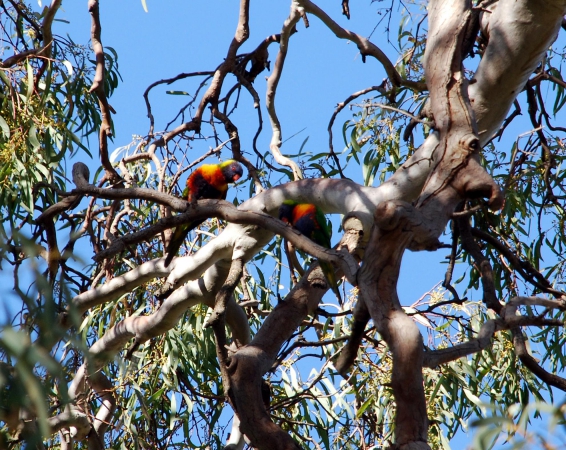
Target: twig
x=482 y=264
x=398 y=110
x=340 y=107
x=525 y=269
x=452 y=261
x=346 y=8
x=181 y=76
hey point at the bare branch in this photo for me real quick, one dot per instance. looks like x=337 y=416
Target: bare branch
x=482 y=263
x=181 y=76
x=437 y=357
x=531 y=363
x=272 y=82
x=217 y=321
x=367 y=48
x=249 y=363
x=16 y=59
x=227 y=211
x=98 y=88
x=524 y=268
x=346 y=8
x=45 y=33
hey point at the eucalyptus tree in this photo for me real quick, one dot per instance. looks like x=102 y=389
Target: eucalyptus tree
x=113 y=349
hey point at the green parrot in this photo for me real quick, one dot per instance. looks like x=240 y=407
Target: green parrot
x=311 y=221
x=208 y=181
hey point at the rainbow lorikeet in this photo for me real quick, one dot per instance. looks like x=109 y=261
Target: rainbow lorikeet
x=310 y=221
x=208 y=181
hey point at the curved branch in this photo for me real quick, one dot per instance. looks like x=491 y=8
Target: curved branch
x=181 y=76
x=332 y=196
x=98 y=88
x=509 y=320
x=45 y=33
x=251 y=362
x=143 y=328
x=68 y=419
x=437 y=357
x=46 y=28
x=16 y=59
x=227 y=211
x=367 y=48
x=532 y=364
x=339 y=108
x=272 y=82
x=217 y=322
x=80 y=178
x=519 y=32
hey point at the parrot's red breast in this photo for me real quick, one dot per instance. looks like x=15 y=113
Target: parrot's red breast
x=208 y=181
x=305 y=211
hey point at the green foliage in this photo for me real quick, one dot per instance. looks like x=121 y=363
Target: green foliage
x=515 y=421
x=46 y=112
x=158 y=391
x=31 y=371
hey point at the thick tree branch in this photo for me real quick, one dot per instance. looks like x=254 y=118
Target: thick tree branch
x=217 y=322
x=519 y=34
x=377 y=280
x=227 y=211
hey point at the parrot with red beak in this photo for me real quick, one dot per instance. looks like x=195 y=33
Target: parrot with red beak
x=208 y=181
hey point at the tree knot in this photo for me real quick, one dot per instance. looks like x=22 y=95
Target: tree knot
x=470 y=143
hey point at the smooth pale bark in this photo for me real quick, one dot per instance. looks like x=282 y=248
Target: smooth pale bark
x=519 y=33
x=399 y=223
x=377 y=284
x=456 y=175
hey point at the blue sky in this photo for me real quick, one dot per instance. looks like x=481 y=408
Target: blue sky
x=320 y=71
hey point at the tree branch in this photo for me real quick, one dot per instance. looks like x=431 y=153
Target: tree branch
x=98 y=88
x=339 y=108
x=366 y=47
x=272 y=82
